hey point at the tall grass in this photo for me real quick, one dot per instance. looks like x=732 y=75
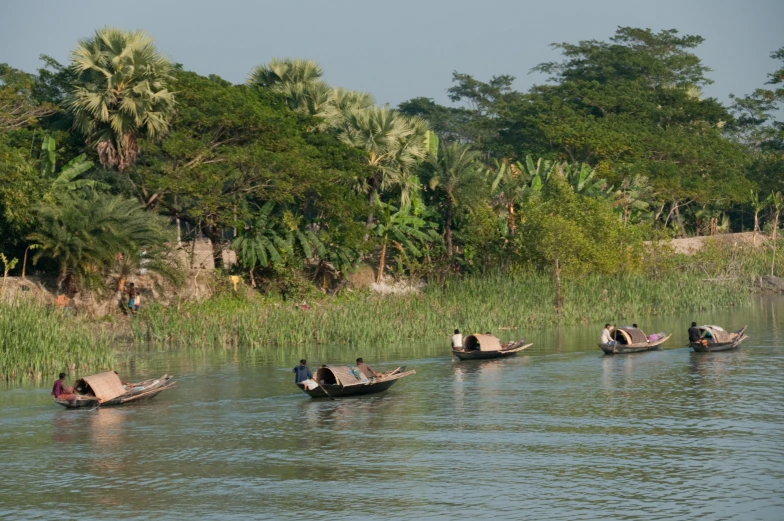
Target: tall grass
x=37 y=341
x=490 y=303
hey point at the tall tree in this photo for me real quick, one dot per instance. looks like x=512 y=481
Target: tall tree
x=393 y=144
x=456 y=168
x=120 y=93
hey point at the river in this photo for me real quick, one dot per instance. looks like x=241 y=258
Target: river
x=560 y=432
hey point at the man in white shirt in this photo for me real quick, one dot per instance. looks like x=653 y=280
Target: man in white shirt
x=457 y=340
x=606 y=338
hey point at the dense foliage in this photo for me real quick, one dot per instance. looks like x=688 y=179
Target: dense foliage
x=299 y=177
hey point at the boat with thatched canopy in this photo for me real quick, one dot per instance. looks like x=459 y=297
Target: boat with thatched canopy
x=632 y=340
x=336 y=381
x=714 y=338
x=483 y=347
x=105 y=389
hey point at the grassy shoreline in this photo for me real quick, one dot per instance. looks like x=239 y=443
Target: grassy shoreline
x=495 y=303
x=37 y=341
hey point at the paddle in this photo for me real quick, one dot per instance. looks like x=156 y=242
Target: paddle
x=325 y=391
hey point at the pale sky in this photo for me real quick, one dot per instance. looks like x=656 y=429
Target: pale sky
x=398 y=49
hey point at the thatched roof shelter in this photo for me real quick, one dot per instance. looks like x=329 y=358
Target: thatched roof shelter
x=479 y=342
x=629 y=335
x=105 y=386
x=719 y=334
x=336 y=375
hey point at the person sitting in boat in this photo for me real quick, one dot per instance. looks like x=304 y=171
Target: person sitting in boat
x=457 y=340
x=59 y=390
x=301 y=372
x=694 y=333
x=366 y=369
x=606 y=338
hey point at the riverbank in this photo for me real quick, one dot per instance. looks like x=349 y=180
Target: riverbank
x=39 y=339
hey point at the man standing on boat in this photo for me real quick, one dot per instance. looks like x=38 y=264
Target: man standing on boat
x=366 y=369
x=457 y=340
x=301 y=372
x=606 y=338
x=694 y=333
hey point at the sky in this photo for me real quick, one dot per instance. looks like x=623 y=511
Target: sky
x=398 y=49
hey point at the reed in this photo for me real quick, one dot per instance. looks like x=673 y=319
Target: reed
x=496 y=303
x=38 y=341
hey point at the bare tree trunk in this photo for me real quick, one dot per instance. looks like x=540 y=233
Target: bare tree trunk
x=372 y=193
x=775 y=224
x=756 y=228
x=24 y=262
x=658 y=214
x=558 y=298
x=448 y=227
x=511 y=219
x=679 y=220
x=381 y=262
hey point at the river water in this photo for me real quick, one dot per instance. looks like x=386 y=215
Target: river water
x=560 y=432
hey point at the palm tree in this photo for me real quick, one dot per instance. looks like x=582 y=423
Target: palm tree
x=120 y=93
x=299 y=81
x=393 y=142
x=286 y=71
x=456 y=167
x=258 y=243
x=86 y=235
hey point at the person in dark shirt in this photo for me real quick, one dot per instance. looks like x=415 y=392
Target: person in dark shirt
x=57 y=388
x=694 y=333
x=366 y=369
x=301 y=372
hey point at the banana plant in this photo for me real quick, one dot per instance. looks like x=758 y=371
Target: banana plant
x=67 y=177
x=408 y=232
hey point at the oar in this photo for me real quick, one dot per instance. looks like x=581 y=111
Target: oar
x=325 y=391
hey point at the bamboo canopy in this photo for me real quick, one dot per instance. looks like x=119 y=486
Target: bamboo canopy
x=630 y=334
x=481 y=342
x=719 y=335
x=105 y=386
x=336 y=374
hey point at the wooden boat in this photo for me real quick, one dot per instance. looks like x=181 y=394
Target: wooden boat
x=632 y=340
x=483 y=347
x=715 y=338
x=338 y=381
x=106 y=389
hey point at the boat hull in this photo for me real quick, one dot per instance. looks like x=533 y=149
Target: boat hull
x=699 y=347
x=626 y=349
x=476 y=354
x=375 y=386
x=148 y=393
x=340 y=391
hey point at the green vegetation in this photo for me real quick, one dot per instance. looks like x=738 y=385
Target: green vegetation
x=36 y=340
x=498 y=302
x=519 y=208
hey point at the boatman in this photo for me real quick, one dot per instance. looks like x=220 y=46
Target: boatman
x=57 y=388
x=606 y=338
x=301 y=372
x=366 y=369
x=694 y=333
x=457 y=340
